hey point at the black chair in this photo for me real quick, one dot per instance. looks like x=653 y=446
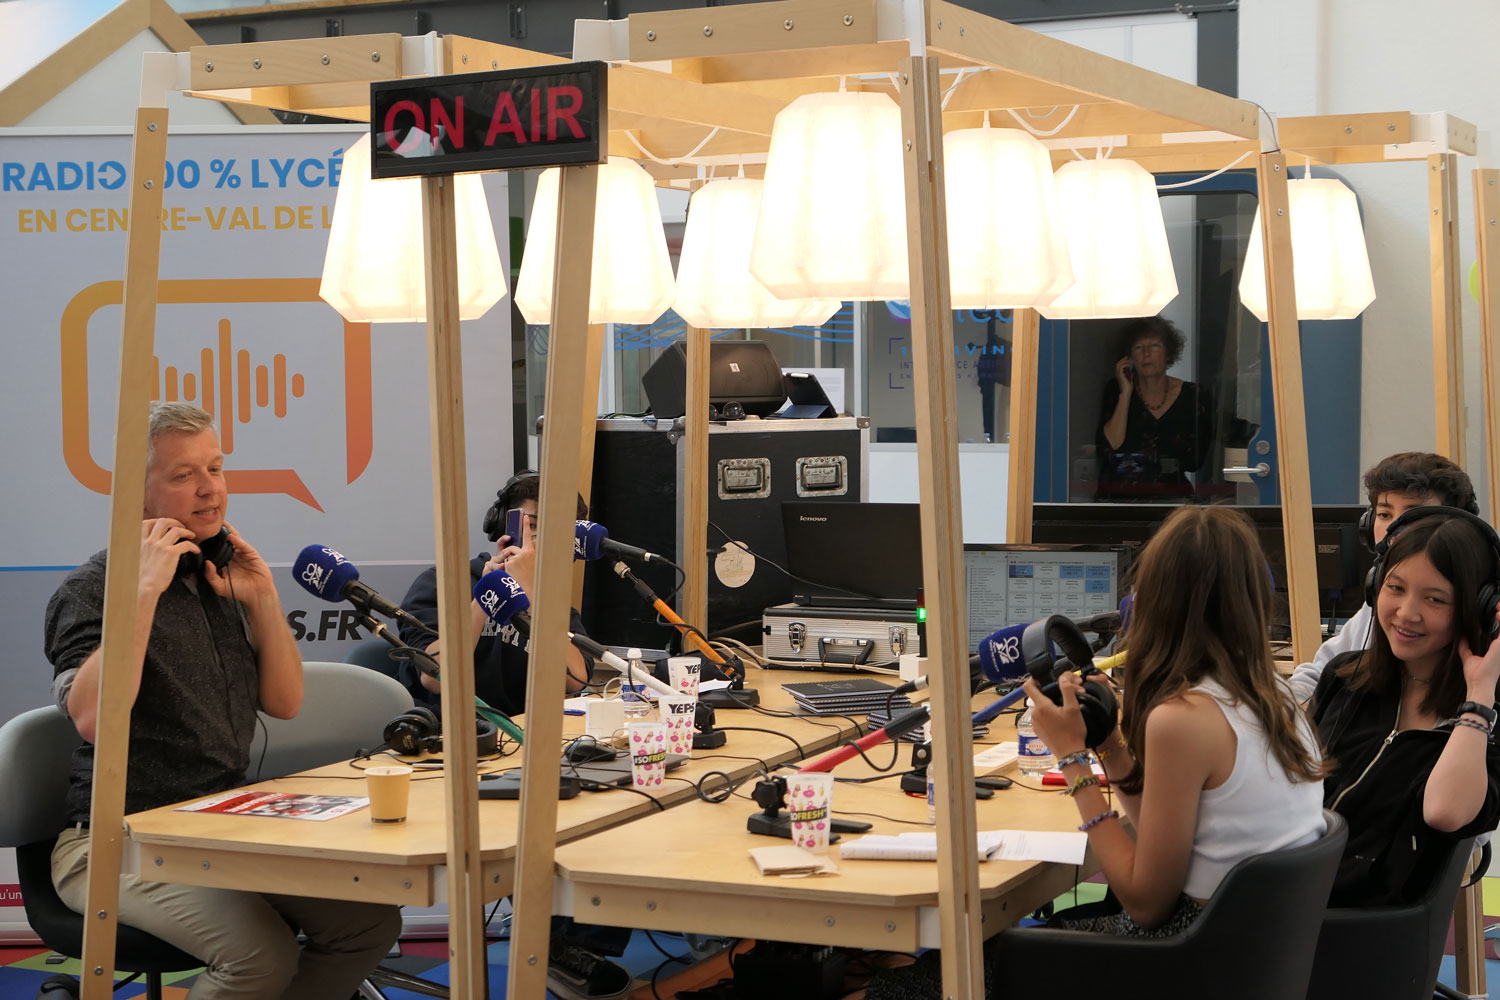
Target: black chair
x=1253 y=941
x=35 y=749
x=1391 y=952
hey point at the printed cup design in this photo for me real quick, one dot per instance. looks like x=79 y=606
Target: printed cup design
x=648 y=753
x=677 y=713
x=683 y=673
x=810 y=809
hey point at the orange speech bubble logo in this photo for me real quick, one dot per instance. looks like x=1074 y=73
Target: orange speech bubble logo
x=232 y=400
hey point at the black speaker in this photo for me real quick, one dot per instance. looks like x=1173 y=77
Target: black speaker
x=739 y=371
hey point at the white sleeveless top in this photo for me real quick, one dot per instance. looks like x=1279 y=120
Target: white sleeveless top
x=1258 y=809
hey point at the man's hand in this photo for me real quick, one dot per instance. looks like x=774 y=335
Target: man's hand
x=520 y=563
x=247 y=571
x=164 y=541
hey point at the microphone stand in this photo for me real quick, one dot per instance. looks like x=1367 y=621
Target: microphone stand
x=737 y=695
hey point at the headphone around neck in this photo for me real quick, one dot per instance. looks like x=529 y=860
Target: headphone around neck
x=1489 y=591
x=1100 y=708
x=418 y=730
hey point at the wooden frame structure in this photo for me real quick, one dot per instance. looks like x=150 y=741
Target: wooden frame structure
x=710 y=81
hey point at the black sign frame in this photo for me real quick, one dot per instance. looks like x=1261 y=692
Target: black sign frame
x=473 y=140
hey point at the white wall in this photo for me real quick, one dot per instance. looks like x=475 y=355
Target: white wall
x=1303 y=57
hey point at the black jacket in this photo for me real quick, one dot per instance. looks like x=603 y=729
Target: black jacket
x=1377 y=786
x=501 y=655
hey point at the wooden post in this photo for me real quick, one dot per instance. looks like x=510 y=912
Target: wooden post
x=942 y=527
x=1487 y=236
x=1020 y=486
x=593 y=361
x=1468 y=936
x=122 y=575
x=1291 y=412
x=566 y=365
x=1447 y=307
x=450 y=508
x=695 y=482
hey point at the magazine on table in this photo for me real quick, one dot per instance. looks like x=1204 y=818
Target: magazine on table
x=278 y=805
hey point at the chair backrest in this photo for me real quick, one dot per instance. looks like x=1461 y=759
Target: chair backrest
x=374 y=654
x=35 y=750
x=344 y=707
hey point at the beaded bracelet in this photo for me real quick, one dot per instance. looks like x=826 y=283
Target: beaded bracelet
x=1473 y=725
x=1086 y=827
x=1080 y=757
x=1081 y=783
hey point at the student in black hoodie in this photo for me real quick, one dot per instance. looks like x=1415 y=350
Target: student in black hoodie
x=501 y=654
x=1410 y=720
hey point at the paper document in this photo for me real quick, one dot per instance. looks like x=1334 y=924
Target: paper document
x=789 y=860
x=280 y=805
x=1004 y=845
x=995 y=757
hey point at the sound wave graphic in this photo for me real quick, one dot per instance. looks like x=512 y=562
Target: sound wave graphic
x=230 y=373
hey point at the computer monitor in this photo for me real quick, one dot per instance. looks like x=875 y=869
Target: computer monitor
x=1016 y=584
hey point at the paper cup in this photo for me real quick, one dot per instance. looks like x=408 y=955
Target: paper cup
x=677 y=712
x=648 y=753
x=388 y=788
x=683 y=673
x=810 y=809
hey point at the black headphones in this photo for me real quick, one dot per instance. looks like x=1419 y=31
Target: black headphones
x=1367 y=519
x=1097 y=701
x=729 y=411
x=217 y=550
x=1489 y=592
x=494 y=518
x=418 y=730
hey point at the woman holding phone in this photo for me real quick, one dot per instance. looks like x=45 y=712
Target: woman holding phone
x=1156 y=428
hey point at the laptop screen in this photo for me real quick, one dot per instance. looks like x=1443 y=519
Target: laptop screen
x=1016 y=584
x=849 y=550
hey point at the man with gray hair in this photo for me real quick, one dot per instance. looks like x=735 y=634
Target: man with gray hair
x=211 y=648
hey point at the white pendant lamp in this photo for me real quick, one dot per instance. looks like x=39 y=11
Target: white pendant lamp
x=1117 y=240
x=373 y=270
x=715 y=289
x=833 y=220
x=1330 y=262
x=632 y=274
x=1006 y=244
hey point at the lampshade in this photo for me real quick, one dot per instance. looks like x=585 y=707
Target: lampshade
x=715 y=288
x=1006 y=244
x=1330 y=263
x=1117 y=240
x=632 y=275
x=833 y=220
x=373 y=270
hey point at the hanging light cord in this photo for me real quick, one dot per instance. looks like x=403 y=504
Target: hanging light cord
x=630 y=134
x=1038 y=132
x=1205 y=177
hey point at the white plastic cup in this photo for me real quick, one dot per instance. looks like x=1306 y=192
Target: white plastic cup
x=389 y=788
x=677 y=713
x=683 y=673
x=810 y=809
x=648 y=753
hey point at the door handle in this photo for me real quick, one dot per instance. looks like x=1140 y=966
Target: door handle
x=1261 y=469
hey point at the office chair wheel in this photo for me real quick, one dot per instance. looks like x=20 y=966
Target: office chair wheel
x=57 y=988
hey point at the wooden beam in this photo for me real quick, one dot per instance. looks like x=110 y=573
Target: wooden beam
x=123 y=568
x=593 y=362
x=986 y=41
x=645 y=92
x=942 y=528
x=1020 y=489
x=361 y=58
x=1375 y=129
x=1487 y=236
x=757 y=27
x=695 y=479
x=475 y=55
x=60 y=70
x=1468 y=936
x=449 y=501
x=799 y=64
x=1291 y=413
x=566 y=363
x=1447 y=304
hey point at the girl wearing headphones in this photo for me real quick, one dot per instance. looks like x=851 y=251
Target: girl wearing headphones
x=1216 y=763
x=1410 y=720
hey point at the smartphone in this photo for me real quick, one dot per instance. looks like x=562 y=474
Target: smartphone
x=515 y=523
x=1129 y=369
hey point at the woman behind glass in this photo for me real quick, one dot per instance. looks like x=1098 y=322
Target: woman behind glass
x=1156 y=428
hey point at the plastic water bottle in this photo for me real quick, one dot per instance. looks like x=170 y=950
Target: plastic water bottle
x=632 y=690
x=1034 y=758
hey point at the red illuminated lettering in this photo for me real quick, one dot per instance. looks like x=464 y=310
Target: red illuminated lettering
x=536 y=114
x=556 y=112
x=505 y=119
x=441 y=120
x=418 y=121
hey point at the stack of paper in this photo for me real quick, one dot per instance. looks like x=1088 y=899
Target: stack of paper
x=1005 y=845
x=791 y=860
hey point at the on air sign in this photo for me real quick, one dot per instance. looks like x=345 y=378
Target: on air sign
x=538 y=116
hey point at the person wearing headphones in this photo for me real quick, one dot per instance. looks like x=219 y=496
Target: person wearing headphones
x=1410 y=720
x=502 y=654
x=1394 y=485
x=211 y=647
x=576 y=968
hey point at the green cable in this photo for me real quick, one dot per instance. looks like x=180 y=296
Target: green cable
x=499 y=718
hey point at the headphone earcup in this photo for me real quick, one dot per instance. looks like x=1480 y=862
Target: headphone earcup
x=1489 y=627
x=416 y=730
x=1100 y=712
x=1367 y=528
x=488 y=736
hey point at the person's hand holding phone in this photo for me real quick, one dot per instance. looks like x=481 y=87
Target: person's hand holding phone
x=1125 y=375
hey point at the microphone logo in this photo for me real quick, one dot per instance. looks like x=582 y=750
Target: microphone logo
x=489 y=600
x=338 y=557
x=1007 y=650
x=315 y=576
x=579 y=549
x=511 y=585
